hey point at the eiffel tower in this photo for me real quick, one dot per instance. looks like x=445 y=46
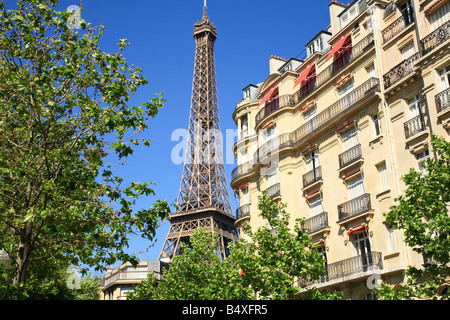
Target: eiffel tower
x=203 y=200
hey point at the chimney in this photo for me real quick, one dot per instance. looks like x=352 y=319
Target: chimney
x=335 y=9
x=275 y=63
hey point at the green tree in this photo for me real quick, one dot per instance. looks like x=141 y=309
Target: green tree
x=276 y=257
x=196 y=274
x=265 y=267
x=65 y=110
x=422 y=212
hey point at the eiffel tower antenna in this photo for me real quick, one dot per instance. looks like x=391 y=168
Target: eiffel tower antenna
x=203 y=200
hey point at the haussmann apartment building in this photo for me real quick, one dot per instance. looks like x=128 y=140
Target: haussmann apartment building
x=332 y=134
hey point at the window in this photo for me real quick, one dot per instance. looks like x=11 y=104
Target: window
x=415 y=107
x=246 y=93
x=361 y=247
x=245 y=196
x=444 y=74
x=408 y=51
x=440 y=17
x=371 y=71
x=350 y=138
x=347 y=99
x=311 y=113
x=376 y=125
x=390 y=238
x=244 y=127
x=382 y=172
x=272 y=175
x=312 y=161
x=407 y=12
x=421 y=158
x=355 y=187
x=270 y=133
x=244 y=156
x=316 y=206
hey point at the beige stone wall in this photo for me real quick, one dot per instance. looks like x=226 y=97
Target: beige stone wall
x=391 y=147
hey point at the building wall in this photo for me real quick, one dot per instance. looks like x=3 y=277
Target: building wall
x=388 y=69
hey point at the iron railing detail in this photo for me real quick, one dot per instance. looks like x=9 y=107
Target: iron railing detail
x=442 y=100
x=349 y=56
x=354 y=207
x=435 y=38
x=414 y=126
x=241 y=170
x=400 y=71
x=358 y=94
x=274 y=190
x=349 y=156
x=360 y=263
x=312 y=177
x=406 y=18
x=315 y=223
x=243 y=211
x=272 y=106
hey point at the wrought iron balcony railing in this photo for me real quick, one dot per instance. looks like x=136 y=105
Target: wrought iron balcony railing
x=370 y=86
x=400 y=71
x=352 y=54
x=315 y=223
x=356 y=51
x=243 y=211
x=414 y=126
x=312 y=177
x=354 y=207
x=274 y=105
x=442 y=100
x=360 y=263
x=435 y=38
x=349 y=156
x=406 y=18
x=241 y=170
x=274 y=190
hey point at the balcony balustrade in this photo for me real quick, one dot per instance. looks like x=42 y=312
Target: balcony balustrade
x=354 y=207
x=272 y=106
x=350 y=156
x=243 y=211
x=435 y=38
x=345 y=59
x=442 y=100
x=315 y=223
x=360 y=263
x=241 y=170
x=312 y=177
x=358 y=94
x=400 y=71
x=344 y=268
x=406 y=19
x=274 y=191
x=414 y=126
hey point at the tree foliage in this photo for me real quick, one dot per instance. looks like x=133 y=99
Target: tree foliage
x=267 y=266
x=65 y=110
x=423 y=213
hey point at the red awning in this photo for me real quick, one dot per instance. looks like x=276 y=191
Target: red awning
x=363 y=227
x=304 y=75
x=267 y=96
x=338 y=46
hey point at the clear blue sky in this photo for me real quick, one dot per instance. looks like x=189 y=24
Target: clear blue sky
x=160 y=33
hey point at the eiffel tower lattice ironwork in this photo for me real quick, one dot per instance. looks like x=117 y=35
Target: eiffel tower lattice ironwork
x=203 y=200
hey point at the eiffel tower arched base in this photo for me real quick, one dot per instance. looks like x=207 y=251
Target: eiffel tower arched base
x=184 y=224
